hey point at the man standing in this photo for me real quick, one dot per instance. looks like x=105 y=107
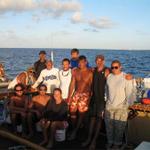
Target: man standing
x=97 y=104
x=49 y=77
x=40 y=64
x=79 y=93
x=65 y=78
x=74 y=58
x=119 y=90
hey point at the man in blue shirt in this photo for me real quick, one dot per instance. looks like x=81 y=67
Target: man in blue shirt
x=74 y=58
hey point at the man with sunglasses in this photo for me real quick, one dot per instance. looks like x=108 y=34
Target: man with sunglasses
x=119 y=89
x=18 y=108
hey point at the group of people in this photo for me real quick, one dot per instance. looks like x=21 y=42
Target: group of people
x=69 y=94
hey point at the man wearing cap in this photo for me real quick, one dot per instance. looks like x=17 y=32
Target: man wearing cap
x=97 y=105
x=40 y=64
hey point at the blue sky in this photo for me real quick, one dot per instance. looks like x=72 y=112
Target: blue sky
x=102 y=24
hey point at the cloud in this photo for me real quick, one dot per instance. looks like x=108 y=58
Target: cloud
x=36 y=18
x=143 y=33
x=77 y=18
x=102 y=23
x=54 y=7
x=90 y=30
x=17 y=5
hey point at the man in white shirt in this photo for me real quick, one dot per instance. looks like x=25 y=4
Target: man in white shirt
x=49 y=77
x=65 y=78
x=119 y=89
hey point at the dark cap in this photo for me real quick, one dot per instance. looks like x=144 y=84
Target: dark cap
x=42 y=52
x=100 y=57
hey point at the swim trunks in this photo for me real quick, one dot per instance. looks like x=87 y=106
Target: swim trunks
x=79 y=102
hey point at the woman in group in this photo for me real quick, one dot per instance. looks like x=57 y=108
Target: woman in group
x=119 y=89
x=55 y=117
x=26 y=78
x=37 y=107
x=18 y=107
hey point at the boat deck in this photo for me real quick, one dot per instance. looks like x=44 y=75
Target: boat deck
x=6 y=144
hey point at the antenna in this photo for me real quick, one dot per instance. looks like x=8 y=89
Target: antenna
x=52 y=56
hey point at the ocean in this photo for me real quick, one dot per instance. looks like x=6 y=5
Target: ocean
x=17 y=60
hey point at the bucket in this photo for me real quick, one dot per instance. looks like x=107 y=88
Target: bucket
x=60 y=135
x=19 y=128
x=38 y=127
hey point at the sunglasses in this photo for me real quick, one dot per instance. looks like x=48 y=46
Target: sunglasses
x=114 y=67
x=19 y=90
x=42 y=89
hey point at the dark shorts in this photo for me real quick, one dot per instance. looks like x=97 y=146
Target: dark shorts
x=35 y=118
x=18 y=118
x=96 y=108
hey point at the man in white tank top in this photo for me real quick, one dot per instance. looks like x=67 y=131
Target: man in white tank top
x=65 y=77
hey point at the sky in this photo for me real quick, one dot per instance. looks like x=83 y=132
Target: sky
x=90 y=24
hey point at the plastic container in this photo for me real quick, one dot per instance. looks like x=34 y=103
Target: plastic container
x=60 y=135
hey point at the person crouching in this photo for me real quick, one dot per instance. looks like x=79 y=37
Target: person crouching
x=55 y=117
x=36 y=108
x=18 y=109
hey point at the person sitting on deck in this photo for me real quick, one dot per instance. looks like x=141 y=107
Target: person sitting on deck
x=18 y=107
x=36 y=108
x=55 y=117
x=2 y=73
x=26 y=78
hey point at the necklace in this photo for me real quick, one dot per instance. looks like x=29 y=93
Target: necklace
x=65 y=75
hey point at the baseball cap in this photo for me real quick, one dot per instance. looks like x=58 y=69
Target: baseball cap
x=42 y=52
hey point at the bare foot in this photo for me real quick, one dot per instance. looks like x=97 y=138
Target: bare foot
x=72 y=136
x=43 y=143
x=50 y=144
x=92 y=146
x=86 y=143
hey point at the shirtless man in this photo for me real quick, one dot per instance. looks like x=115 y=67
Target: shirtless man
x=79 y=93
x=18 y=108
x=36 y=107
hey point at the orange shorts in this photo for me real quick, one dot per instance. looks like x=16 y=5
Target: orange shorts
x=79 y=102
